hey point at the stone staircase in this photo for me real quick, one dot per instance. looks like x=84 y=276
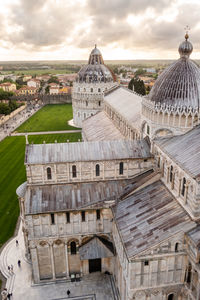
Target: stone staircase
x=9 y=275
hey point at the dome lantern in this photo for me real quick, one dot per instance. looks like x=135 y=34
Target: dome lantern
x=185 y=48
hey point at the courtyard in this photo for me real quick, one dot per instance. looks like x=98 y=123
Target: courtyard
x=52 y=117
x=95 y=286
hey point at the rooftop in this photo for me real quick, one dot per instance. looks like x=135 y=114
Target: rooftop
x=99 y=127
x=184 y=150
x=148 y=217
x=86 y=151
x=179 y=84
x=127 y=104
x=63 y=197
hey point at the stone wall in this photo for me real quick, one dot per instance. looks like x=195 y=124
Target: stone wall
x=86 y=171
x=174 y=178
x=87 y=99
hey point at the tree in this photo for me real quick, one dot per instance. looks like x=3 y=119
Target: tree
x=139 y=72
x=138 y=85
x=5 y=95
x=4 y=109
x=53 y=79
x=47 y=89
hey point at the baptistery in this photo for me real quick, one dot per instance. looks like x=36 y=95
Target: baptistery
x=92 y=81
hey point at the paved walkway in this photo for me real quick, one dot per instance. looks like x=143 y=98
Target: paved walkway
x=96 y=286
x=44 y=132
x=7 y=128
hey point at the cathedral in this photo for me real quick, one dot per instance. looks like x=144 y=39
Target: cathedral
x=126 y=200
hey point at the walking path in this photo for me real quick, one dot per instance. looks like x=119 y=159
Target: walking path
x=44 y=132
x=16 y=121
x=96 y=286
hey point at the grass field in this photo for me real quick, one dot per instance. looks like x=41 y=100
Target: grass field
x=36 y=72
x=12 y=174
x=49 y=118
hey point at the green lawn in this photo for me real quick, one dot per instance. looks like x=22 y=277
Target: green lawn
x=12 y=174
x=51 y=138
x=33 y=72
x=49 y=118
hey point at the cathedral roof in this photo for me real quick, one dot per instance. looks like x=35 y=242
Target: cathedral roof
x=72 y=196
x=184 y=150
x=87 y=151
x=148 y=217
x=95 y=71
x=126 y=103
x=179 y=84
x=100 y=127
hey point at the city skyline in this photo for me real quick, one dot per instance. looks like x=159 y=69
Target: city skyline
x=123 y=30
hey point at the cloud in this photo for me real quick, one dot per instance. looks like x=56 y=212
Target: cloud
x=42 y=23
x=160 y=26
x=139 y=25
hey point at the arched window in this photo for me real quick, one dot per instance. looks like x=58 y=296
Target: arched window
x=121 y=168
x=73 y=171
x=86 y=103
x=158 y=164
x=99 y=103
x=183 y=186
x=171 y=174
x=170 y=297
x=148 y=129
x=97 y=170
x=91 y=90
x=49 y=173
x=99 y=90
x=189 y=273
x=73 y=248
x=176 y=247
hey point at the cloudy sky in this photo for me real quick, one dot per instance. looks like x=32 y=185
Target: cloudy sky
x=122 y=29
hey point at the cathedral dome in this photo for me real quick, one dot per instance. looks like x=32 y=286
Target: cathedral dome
x=179 y=84
x=95 y=70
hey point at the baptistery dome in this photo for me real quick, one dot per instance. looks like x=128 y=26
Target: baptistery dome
x=179 y=84
x=95 y=70
x=92 y=81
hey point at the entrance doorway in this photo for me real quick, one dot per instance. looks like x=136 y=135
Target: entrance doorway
x=94 y=265
x=171 y=297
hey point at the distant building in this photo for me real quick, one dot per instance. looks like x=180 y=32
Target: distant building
x=45 y=78
x=27 y=90
x=65 y=90
x=54 y=88
x=8 y=86
x=27 y=77
x=34 y=83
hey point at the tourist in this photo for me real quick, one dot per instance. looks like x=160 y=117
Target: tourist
x=19 y=263
x=17 y=243
x=9 y=268
x=68 y=293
